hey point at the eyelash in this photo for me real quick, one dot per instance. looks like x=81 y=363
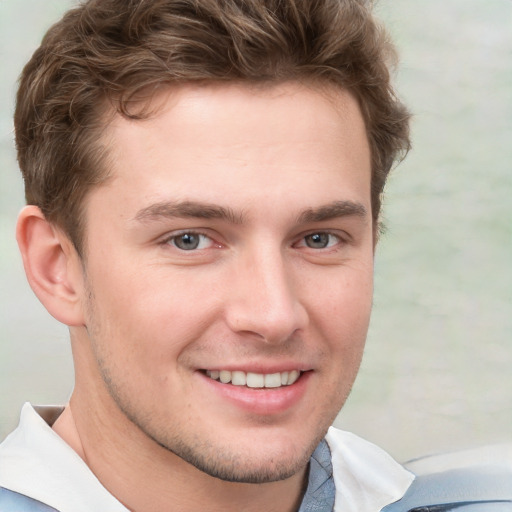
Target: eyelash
x=171 y=240
x=334 y=240
x=302 y=242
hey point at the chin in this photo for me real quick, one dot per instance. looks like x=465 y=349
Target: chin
x=243 y=465
x=254 y=455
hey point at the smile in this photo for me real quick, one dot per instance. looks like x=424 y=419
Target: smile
x=254 y=380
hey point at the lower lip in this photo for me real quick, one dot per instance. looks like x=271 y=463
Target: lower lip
x=261 y=401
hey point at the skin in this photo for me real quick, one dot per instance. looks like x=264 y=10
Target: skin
x=265 y=178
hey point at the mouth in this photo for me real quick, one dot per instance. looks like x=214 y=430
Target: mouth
x=254 y=380
x=259 y=394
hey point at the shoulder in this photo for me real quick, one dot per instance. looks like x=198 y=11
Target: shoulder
x=11 y=501
x=477 y=480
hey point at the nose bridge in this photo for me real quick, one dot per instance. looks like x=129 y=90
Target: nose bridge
x=266 y=300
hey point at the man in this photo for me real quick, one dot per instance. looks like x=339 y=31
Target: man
x=203 y=181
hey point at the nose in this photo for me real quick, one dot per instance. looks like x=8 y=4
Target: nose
x=264 y=298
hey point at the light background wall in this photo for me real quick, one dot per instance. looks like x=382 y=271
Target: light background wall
x=437 y=369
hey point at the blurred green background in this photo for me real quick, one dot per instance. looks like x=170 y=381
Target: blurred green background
x=437 y=369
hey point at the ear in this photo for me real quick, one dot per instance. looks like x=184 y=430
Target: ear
x=52 y=265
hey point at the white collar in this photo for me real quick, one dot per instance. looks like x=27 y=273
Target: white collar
x=366 y=477
x=36 y=462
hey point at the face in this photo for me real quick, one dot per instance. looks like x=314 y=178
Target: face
x=228 y=274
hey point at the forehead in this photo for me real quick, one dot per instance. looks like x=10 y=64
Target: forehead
x=247 y=106
x=219 y=136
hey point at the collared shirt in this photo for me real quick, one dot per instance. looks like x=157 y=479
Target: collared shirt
x=347 y=474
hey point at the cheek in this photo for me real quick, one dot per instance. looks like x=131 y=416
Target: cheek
x=148 y=318
x=342 y=321
x=342 y=304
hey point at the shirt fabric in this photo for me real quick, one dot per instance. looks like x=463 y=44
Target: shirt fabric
x=347 y=473
x=320 y=492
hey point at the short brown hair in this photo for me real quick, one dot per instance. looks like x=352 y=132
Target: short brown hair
x=105 y=52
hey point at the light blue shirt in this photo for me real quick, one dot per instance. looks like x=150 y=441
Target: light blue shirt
x=319 y=496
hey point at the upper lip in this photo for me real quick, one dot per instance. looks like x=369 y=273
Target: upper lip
x=264 y=368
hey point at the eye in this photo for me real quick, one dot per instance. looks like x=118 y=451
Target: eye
x=190 y=241
x=320 y=240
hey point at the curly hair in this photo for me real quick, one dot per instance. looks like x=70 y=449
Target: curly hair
x=102 y=55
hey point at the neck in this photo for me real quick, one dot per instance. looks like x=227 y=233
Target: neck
x=147 y=477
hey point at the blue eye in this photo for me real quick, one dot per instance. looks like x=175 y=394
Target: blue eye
x=190 y=241
x=320 y=240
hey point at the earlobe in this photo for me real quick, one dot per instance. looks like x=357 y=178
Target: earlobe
x=52 y=266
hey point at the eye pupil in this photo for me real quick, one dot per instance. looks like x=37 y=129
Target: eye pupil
x=317 y=240
x=187 y=241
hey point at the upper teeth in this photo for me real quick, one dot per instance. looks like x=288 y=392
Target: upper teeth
x=254 y=380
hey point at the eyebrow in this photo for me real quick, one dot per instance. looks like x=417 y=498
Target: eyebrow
x=333 y=211
x=186 y=210
x=199 y=210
